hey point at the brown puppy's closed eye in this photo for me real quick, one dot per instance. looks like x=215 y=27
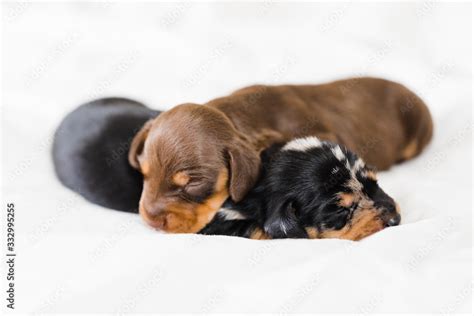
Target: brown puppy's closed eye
x=191 y=162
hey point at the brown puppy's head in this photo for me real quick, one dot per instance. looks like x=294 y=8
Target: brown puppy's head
x=192 y=159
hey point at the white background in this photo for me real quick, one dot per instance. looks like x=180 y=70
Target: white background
x=74 y=256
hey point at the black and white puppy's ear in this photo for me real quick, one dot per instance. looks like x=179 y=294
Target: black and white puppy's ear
x=282 y=222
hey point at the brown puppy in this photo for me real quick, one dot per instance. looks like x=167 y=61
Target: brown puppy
x=193 y=157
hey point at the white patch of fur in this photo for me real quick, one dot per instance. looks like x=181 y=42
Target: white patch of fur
x=348 y=166
x=283 y=227
x=303 y=144
x=359 y=164
x=337 y=151
x=230 y=214
x=354 y=184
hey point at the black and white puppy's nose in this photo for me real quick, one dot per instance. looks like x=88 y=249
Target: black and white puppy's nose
x=393 y=221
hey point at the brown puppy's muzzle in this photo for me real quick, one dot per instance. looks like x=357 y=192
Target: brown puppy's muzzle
x=156 y=220
x=175 y=216
x=170 y=219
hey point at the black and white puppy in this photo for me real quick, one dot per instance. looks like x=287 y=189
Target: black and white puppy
x=307 y=189
x=310 y=189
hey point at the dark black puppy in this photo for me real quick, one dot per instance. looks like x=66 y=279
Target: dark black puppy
x=90 y=151
x=307 y=189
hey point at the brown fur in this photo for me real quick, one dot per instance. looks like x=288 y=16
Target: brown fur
x=346 y=199
x=190 y=217
x=312 y=232
x=259 y=234
x=371 y=175
x=364 y=223
x=410 y=150
x=180 y=178
x=377 y=119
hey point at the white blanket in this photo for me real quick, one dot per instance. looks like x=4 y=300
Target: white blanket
x=75 y=256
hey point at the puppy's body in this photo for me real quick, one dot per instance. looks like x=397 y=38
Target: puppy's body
x=381 y=121
x=309 y=189
x=193 y=157
x=90 y=151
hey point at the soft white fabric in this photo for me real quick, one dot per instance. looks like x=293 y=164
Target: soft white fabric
x=74 y=256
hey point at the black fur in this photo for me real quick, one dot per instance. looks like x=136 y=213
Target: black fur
x=90 y=152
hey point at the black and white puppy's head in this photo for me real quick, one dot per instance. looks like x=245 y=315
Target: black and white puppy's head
x=319 y=189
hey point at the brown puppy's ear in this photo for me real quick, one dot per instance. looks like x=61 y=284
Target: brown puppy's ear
x=244 y=170
x=136 y=147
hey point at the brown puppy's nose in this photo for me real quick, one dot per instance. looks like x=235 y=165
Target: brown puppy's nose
x=153 y=207
x=151 y=211
x=154 y=213
x=157 y=218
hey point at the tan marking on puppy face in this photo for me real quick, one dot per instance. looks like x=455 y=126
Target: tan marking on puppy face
x=364 y=223
x=410 y=150
x=181 y=178
x=397 y=208
x=205 y=212
x=312 y=232
x=144 y=167
x=346 y=199
x=259 y=234
x=371 y=175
